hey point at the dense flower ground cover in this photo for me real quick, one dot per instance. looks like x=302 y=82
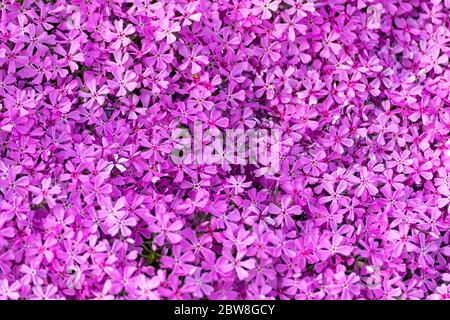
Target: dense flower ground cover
x=92 y=205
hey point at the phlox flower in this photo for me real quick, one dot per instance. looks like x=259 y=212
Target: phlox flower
x=46 y=192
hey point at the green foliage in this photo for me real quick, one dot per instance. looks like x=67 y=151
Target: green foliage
x=151 y=257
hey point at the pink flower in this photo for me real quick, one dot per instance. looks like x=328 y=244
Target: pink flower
x=330 y=248
x=124 y=81
x=265 y=6
x=193 y=58
x=45 y=192
x=9 y=291
x=95 y=95
x=118 y=219
x=165 y=228
x=346 y=286
x=366 y=183
x=119 y=36
x=229 y=263
x=166 y=29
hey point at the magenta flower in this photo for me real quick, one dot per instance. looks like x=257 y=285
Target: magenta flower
x=165 y=228
x=230 y=263
x=118 y=220
x=97 y=189
x=120 y=35
x=166 y=29
x=237 y=184
x=70 y=58
x=366 y=183
x=46 y=192
x=346 y=286
x=124 y=82
x=284 y=214
x=14 y=58
x=338 y=140
x=265 y=7
x=9 y=291
x=193 y=58
x=330 y=246
x=95 y=95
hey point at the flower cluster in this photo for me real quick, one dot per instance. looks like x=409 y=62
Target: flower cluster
x=92 y=205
